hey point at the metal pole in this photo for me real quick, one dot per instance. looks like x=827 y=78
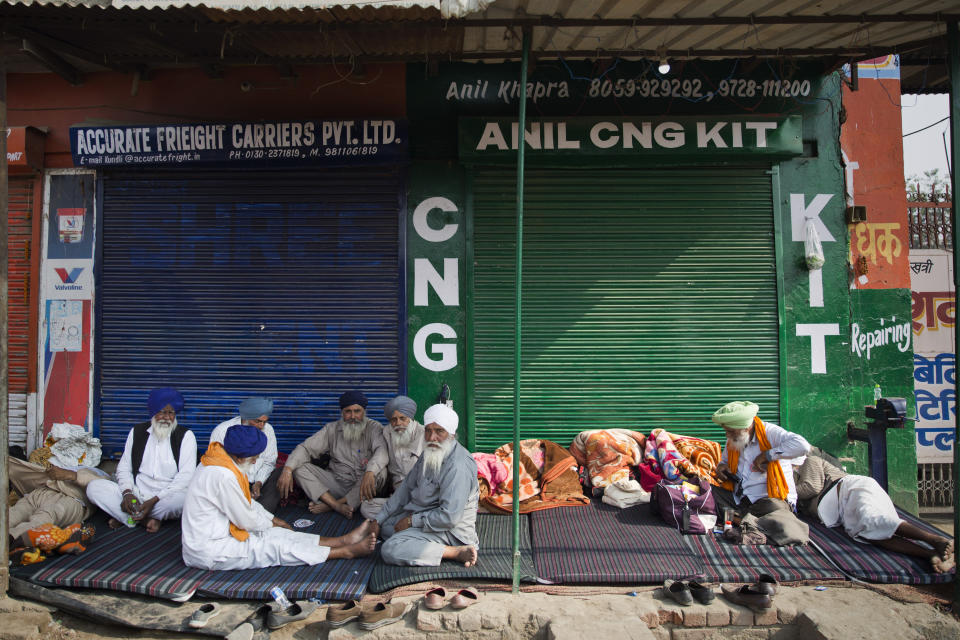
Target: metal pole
x=953 y=44
x=518 y=282
x=4 y=302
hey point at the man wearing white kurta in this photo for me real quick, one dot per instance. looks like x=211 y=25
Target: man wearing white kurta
x=433 y=515
x=223 y=528
x=158 y=461
x=255 y=411
x=404 y=438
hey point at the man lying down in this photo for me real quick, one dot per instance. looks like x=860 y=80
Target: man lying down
x=223 y=528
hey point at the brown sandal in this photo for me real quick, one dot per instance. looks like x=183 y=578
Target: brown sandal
x=435 y=598
x=464 y=598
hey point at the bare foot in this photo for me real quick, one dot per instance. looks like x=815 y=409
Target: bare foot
x=357 y=534
x=944 y=548
x=940 y=565
x=344 y=509
x=113 y=523
x=359 y=549
x=465 y=554
x=318 y=507
x=152 y=525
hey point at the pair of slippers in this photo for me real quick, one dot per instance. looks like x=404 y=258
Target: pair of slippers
x=437 y=598
x=371 y=616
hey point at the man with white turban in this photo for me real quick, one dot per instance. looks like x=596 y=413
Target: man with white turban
x=432 y=516
x=154 y=472
x=358 y=460
x=404 y=438
x=224 y=528
x=255 y=411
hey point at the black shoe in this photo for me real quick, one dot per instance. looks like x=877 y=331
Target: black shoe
x=767 y=584
x=678 y=591
x=701 y=593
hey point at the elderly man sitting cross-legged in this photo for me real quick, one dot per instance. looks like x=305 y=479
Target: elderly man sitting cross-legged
x=432 y=516
x=158 y=461
x=224 y=528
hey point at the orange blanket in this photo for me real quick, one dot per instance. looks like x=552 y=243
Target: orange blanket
x=608 y=454
x=554 y=484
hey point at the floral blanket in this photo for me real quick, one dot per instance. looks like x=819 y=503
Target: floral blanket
x=548 y=478
x=608 y=454
x=674 y=456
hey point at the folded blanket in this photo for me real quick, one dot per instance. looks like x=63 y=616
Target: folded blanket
x=608 y=454
x=702 y=454
x=491 y=468
x=548 y=478
x=674 y=456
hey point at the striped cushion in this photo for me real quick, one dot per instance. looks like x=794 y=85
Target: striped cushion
x=495 y=559
x=601 y=543
x=727 y=562
x=129 y=560
x=332 y=580
x=876 y=564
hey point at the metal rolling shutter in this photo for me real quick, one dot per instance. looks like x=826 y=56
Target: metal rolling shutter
x=20 y=234
x=649 y=300
x=231 y=283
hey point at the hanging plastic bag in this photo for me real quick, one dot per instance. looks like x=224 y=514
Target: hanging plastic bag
x=812 y=247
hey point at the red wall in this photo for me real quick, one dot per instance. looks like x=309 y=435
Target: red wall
x=46 y=100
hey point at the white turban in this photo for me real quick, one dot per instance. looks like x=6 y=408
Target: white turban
x=443 y=416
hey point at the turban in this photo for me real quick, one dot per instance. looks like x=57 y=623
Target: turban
x=159 y=398
x=403 y=404
x=353 y=397
x=244 y=441
x=736 y=415
x=443 y=416
x=254 y=407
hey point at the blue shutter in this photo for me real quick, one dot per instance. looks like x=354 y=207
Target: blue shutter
x=225 y=284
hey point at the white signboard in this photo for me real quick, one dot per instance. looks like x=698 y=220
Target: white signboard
x=68 y=279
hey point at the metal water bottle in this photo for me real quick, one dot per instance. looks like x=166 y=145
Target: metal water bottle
x=280 y=598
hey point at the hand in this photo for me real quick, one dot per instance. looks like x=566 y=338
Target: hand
x=285 y=482
x=368 y=486
x=146 y=508
x=723 y=471
x=255 y=489
x=404 y=523
x=130 y=504
x=760 y=463
x=277 y=522
x=56 y=473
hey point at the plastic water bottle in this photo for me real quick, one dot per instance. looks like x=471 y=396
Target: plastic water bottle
x=136 y=507
x=877 y=394
x=280 y=598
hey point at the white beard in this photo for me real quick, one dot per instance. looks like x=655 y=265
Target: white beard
x=245 y=467
x=402 y=439
x=162 y=429
x=740 y=442
x=434 y=454
x=353 y=431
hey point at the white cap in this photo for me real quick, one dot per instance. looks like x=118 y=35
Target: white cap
x=442 y=415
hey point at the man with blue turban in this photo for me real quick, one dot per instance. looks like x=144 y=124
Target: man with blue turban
x=158 y=461
x=224 y=528
x=255 y=411
x=404 y=438
x=358 y=460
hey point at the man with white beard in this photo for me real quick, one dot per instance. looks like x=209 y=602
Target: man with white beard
x=153 y=474
x=432 y=516
x=404 y=438
x=358 y=461
x=757 y=461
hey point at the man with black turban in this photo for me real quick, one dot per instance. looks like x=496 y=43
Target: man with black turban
x=152 y=476
x=404 y=438
x=224 y=528
x=255 y=411
x=358 y=460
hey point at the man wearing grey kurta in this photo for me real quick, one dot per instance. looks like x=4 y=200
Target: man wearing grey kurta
x=358 y=460
x=432 y=516
x=404 y=438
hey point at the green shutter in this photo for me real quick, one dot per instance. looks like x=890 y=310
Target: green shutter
x=649 y=300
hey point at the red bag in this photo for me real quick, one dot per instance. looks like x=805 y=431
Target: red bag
x=697 y=515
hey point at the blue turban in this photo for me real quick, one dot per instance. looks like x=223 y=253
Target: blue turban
x=244 y=441
x=254 y=407
x=403 y=404
x=353 y=397
x=159 y=398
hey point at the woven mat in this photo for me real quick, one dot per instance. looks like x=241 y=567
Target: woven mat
x=494 y=562
x=602 y=544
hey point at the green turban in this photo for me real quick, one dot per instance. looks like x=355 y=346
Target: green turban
x=736 y=415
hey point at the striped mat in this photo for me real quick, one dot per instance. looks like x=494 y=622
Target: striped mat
x=332 y=580
x=602 y=544
x=129 y=560
x=726 y=562
x=876 y=564
x=494 y=562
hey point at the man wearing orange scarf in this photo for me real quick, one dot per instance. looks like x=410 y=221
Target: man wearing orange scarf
x=223 y=528
x=757 y=461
